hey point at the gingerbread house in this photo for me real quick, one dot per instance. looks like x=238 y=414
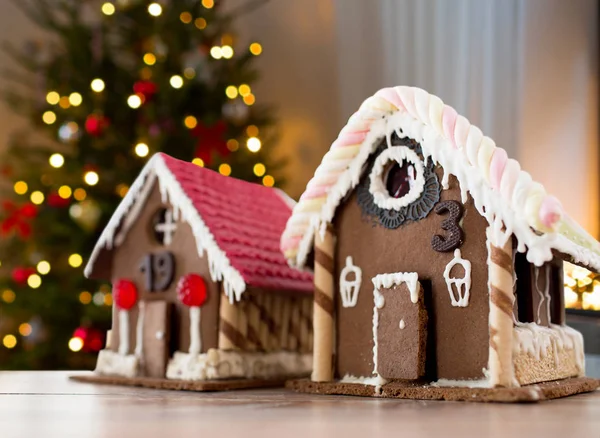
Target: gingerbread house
x=437 y=262
x=201 y=290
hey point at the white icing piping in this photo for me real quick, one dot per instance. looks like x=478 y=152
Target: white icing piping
x=139 y=330
x=543 y=294
x=349 y=289
x=463 y=285
x=123 y=331
x=195 y=341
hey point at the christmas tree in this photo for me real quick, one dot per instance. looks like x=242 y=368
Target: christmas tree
x=113 y=83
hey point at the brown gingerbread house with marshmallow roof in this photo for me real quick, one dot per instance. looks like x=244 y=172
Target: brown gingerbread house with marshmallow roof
x=437 y=261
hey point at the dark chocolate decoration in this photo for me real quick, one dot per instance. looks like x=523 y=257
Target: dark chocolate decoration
x=159 y=271
x=454 y=237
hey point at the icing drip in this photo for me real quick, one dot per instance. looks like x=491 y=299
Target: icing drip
x=543 y=294
x=139 y=330
x=463 y=285
x=195 y=341
x=123 y=332
x=386 y=281
x=476 y=383
x=402 y=324
x=349 y=289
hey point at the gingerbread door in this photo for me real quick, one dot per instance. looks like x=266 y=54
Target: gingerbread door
x=401 y=326
x=157 y=318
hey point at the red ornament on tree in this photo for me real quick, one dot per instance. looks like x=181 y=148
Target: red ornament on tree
x=211 y=140
x=147 y=89
x=95 y=124
x=20 y=274
x=191 y=290
x=18 y=218
x=55 y=200
x=91 y=338
x=125 y=294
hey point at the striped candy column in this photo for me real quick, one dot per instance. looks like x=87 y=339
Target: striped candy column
x=229 y=336
x=323 y=307
x=501 y=312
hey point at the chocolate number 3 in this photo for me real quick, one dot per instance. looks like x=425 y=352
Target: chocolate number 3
x=158 y=270
x=454 y=237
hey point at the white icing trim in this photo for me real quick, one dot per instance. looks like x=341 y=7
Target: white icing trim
x=463 y=294
x=543 y=294
x=376 y=381
x=349 y=289
x=139 y=330
x=467 y=383
x=195 y=341
x=115 y=364
x=402 y=324
x=123 y=331
x=381 y=197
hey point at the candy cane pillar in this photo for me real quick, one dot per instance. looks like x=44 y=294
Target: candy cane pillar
x=125 y=295
x=501 y=296
x=323 y=309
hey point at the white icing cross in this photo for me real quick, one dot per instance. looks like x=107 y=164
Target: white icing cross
x=167 y=227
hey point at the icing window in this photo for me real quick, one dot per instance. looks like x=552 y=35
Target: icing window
x=164 y=226
x=400 y=178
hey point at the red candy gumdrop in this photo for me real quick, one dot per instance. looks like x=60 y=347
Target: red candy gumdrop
x=125 y=294
x=191 y=290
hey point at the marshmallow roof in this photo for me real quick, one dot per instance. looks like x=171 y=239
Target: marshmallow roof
x=505 y=195
x=237 y=225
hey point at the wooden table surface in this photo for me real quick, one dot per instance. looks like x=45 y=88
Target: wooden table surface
x=47 y=404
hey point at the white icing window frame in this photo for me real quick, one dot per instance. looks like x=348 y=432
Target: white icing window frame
x=381 y=197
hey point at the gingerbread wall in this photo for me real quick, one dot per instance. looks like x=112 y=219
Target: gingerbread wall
x=458 y=336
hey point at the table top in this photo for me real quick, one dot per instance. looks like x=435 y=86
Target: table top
x=48 y=404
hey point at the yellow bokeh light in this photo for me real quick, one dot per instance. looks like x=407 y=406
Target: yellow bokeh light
x=255 y=49
x=85 y=297
x=268 y=181
x=91 y=178
x=208 y=4
x=75 y=344
x=227 y=52
x=97 y=85
x=56 y=160
x=185 y=17
x=259 y=169
x=244 y=89
x=253 y=144
x=149 y=59
x=190 y=122
x=198 y=162
x=75 y=260
x=25 y=329
x=225 y=169
x=64 y=102
x=52 y=97
x=189 y=73
x=108 y=299
x=21 y=187
x=216 y=52
x=79 y=194
x=252 y=130
x=65 y=192
x=249 y=99
x=49 y=117
x=122 y=190
x=227 y=39
x=9 y=341
x=154 y=9
x=75 y=99
x=233 y=145
x=176 y=81
x=37 y=197
x=142 y=150
x=108 y=8
x=8 y=296
x=134 y=101
x=231 y=92
x=43 y=267
x=34 y=281
x=200 y=23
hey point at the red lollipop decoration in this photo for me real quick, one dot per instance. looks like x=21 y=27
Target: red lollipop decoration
x=125 y=294
x=191 y=290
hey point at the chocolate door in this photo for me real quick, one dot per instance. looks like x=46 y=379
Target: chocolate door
x=156 y=331
x=401 y=326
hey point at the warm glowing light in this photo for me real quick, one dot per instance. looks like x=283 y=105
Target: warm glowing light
x=65 y=192
x=21 y=187
x=75 y=99
x=64 y=102
x=233 y=145
x=108 y=299
x=122 y=190
x=9 y=341
x=49 y=117
x=79 y=194
x=253 y=144
x=75 y=344
x=225 y=169
x=75 y=260
x=134 y=101
x=142 y=149
x=249 y=99
x=231 y=92
x=85 y=297
x=98 y=298
x=43 y=267
x=200 y=23
x=97 y=85
x=208 y=4
x=108 y=8
x=244 y=89
x=146 y=73
x=198 y=162
x=52 y=97
x=227 y=52
x=185 y=17
x=571 y=298
x=189 y=73
x=227 y=39
x=56 y=160
x=591 y=301
x=37 y=197
x=255 y=49
x=154 y=9
x=149 y=59
x=8 y=296
x=176 y=81
x=34 y=281
x=268 y=181
x=216 y=52
x=252 y=130
x=91 y=178
x=259 y=169
x=190 y=122
x=25 y=329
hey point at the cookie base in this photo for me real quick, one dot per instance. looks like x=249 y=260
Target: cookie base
x=180 y=385
x=419 y=391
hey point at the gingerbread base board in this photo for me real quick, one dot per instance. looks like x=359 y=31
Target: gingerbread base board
x=408 y=390
x=180 y=385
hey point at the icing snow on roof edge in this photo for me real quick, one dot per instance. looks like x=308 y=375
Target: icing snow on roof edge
x=503 y=193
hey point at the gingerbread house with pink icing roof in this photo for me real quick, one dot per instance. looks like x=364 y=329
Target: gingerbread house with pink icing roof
x=203 y=297
x=437 y=262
